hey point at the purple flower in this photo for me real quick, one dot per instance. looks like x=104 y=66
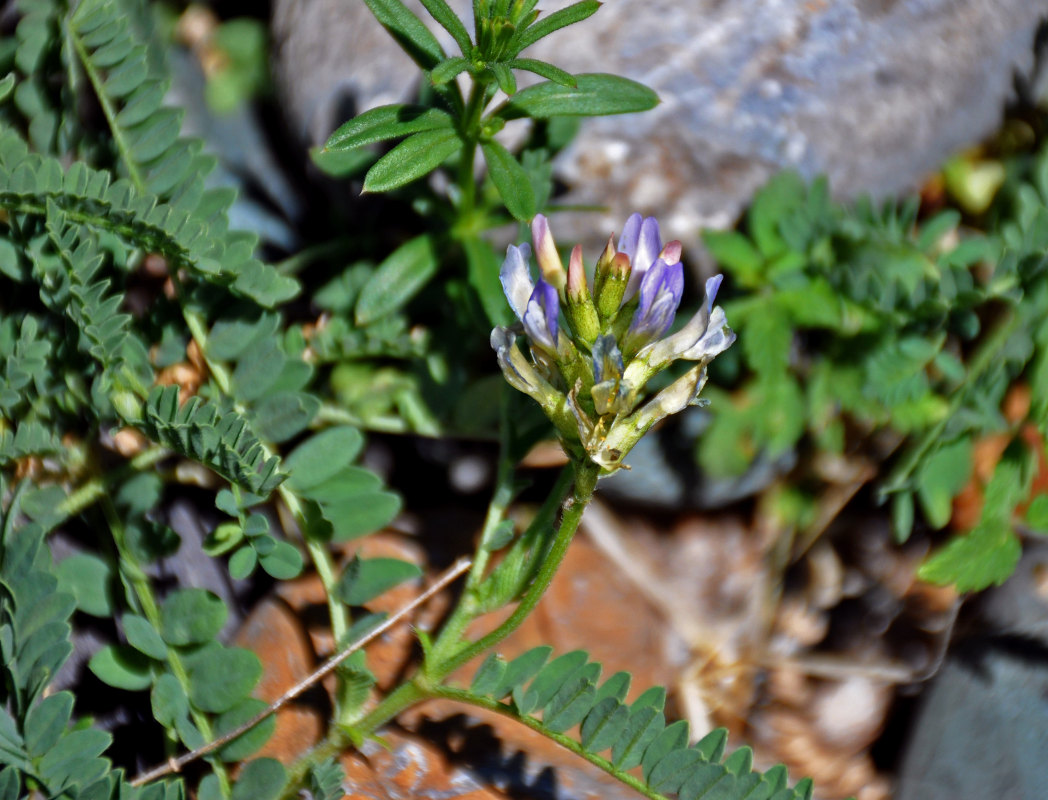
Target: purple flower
x=642 y=242
x=540 y=318
x=537 y=306
x=660 y=293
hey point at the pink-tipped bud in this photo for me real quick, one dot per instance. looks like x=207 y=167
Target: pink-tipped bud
x=577 y=287
x=579 y=307
x=671 y=252
x=546 y=253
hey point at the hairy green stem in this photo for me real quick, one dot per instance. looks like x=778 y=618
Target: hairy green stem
x=471 y=130
x=586 y=474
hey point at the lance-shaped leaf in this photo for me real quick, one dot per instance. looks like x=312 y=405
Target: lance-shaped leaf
x=442 y=13
x=414 y=157
x=448 y=69
x=387 y=122
x=409 y=31
x=594 y=95
x=555 y=21
x=544 y=70
x=397 y=279
x=511 y=181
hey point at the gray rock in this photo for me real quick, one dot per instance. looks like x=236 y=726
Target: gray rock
x=982 y=728
x=875 y=93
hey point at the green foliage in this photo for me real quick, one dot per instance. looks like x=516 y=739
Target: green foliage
x=863 y=322
x=620 y=736
x=454 y=126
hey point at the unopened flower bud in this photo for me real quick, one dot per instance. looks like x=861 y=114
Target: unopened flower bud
x=579 y=307
x=600 y=274
x=617 y=276
x=546 y=254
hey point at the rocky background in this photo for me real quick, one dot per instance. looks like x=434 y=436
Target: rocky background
x=873 y=93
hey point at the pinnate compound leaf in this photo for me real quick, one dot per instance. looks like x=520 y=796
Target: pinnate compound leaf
x=418 y=155
x=321 y=456
x=511 y=181
x=387 y=122
x=191 y=616
x=397 y=279
x=594 y=95
x=364 y=579
x=326 y=779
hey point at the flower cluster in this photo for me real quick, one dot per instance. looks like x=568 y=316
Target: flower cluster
x=592 y=354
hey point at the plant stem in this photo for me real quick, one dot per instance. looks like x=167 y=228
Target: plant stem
x=500 y=498
x=586 y=473
x=427 y=678
x=471 y=131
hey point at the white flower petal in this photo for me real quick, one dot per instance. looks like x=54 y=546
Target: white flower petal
x=516 y=278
